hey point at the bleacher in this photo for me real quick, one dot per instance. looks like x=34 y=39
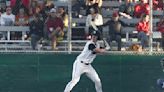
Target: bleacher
x=78 y=30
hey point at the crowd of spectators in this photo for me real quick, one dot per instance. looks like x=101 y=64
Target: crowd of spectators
x=50 y=21
x=42 y=16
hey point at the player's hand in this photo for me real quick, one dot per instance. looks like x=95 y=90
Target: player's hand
x=107 y=48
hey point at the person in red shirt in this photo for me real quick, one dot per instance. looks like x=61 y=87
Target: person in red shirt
x=21 y=19
x=160 y=28
x=158 y=4
x=17 y=4
x=54 y=27
x=143 y=30
x=141 y=8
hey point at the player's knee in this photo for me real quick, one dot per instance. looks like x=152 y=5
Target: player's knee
x=98 y=81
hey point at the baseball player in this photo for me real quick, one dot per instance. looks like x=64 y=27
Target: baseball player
x=82 y=64
x=160 y=81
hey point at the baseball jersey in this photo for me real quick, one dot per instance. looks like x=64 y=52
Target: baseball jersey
x=88 y=55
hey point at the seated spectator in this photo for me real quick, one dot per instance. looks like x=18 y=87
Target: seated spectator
x=32 y=9
x=63 y=15
x=54 y=26
x=40 y=9
x=0 y=17
x=3 y=6
x=76 y=8
x=114 y=32
x=21 y=19
x=158 y=4
x=96 y=4
x=141 y=8
x=160 y=28
x=143 y=30
x=17 y=4
x=127 y=9
x=36 y=30
x=49 y=5
x=7 y=18
x=94 y=21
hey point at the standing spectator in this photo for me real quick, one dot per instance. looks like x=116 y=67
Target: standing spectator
x=141 y=8
x=21 y=19
x=160 y=28
x=94 y=19
x=36 y=30
x=143 y=30
x=115 y=26
x=127 y=9
x=54 y=26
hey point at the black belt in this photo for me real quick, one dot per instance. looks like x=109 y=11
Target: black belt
x=85 y=63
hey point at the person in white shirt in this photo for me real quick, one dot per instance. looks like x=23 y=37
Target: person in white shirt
x=94 y=21
x=82 y=64
x=7 y=18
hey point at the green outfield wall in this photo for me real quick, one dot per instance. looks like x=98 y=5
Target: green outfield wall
x=51 y=72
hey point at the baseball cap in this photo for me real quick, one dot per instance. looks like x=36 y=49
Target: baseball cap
x=115 y=14
x=52 y=10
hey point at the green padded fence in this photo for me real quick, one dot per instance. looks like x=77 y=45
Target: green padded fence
x=51 y=72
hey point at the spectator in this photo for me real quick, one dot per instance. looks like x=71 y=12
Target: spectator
x=158 y=4
x=54 y=26
x=36 y=30
x=63 y=15
x=141 y=8
x=143 y=30
x=21 y=20
x=94 y=21
x=0 y=17
x=7 y=18
x=32 y=9
x=49 y=5
x=96 y=4
x=127 y=9
x=160 y=28
x=2 y=7
x=41 y=10
x=77 y=6
x=115 y=27
x=17 y=4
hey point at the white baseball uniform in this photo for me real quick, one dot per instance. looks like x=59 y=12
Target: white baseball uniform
x=83 y=65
